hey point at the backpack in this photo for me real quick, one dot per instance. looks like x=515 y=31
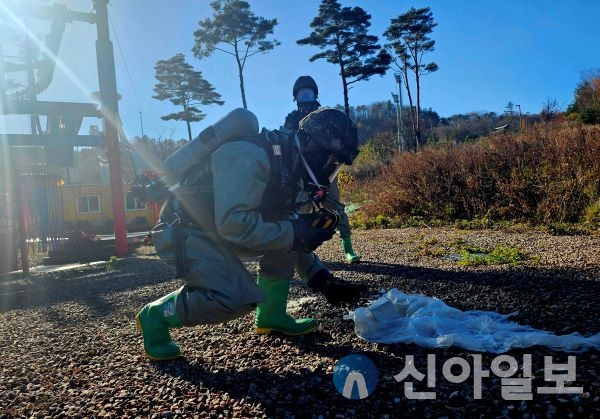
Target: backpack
x=239 y=123
x=188 y=178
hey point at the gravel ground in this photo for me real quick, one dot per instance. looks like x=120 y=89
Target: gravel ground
x=69 y=346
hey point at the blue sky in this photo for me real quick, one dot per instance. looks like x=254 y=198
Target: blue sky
x=489 y=53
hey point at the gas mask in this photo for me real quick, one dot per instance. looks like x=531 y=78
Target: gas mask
x=305 y=95
x=306 y=100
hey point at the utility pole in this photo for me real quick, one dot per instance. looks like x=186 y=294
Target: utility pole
x=109 y=108
x=399 y=122
x=396 y=100
x=141 y=124
x=520 y=118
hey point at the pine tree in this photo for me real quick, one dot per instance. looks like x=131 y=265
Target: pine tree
x=341 y=35
x=180 y=84
x=408 y=35
x=234 y=30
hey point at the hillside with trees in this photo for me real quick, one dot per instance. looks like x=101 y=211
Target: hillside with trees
x=539 y=169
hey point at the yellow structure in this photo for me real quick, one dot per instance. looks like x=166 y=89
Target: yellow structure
x=89 y=208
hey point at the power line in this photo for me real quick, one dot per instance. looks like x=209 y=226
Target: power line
x=127 y=70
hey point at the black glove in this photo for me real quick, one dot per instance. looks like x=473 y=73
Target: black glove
x=323 y=218
x=308 y=237
x=335 y=290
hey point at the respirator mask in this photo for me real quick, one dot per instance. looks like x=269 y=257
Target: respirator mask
x=305 y=95
x=307 y=100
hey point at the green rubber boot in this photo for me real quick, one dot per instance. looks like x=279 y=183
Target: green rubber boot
x=349 y=254
x=272 y=316
x=154 y=321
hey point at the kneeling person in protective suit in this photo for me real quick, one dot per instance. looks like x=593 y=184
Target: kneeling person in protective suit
x=242 y=202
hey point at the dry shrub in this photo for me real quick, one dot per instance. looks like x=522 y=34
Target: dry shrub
x=549 y=174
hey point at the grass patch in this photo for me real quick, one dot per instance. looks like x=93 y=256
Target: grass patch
x=433 y=248
x=112 y=263
x=592 y=213
x=469 y=255
x=501 y=255
x=568 y=229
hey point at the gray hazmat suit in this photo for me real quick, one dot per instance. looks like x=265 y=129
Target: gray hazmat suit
x=237 y=216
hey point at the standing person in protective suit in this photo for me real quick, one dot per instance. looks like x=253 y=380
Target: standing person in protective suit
x=240 y=200
x=305 y=93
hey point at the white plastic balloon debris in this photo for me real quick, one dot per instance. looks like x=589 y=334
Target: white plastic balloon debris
x=404 y=318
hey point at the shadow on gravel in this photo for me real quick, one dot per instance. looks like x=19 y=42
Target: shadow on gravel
x=90 y=286
x=561 y=300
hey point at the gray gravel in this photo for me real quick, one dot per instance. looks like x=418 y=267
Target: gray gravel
x=69 y=347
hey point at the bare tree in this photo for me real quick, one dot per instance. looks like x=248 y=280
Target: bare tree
x=550 y=110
